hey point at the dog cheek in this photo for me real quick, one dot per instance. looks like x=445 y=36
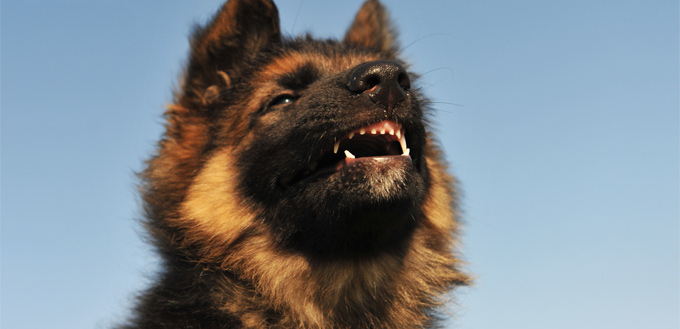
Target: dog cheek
x=213 y=210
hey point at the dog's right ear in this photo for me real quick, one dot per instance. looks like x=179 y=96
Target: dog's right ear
x=372 y=28
x=237 y=32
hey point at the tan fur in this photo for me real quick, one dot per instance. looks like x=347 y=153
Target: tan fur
x=328 y=65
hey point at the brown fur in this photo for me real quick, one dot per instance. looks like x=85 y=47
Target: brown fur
x=224 y=267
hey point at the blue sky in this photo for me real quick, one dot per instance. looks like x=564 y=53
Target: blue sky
x=561 y=120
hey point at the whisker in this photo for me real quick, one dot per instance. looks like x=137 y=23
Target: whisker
x=435 y=70
x=418 y=39
x=296 y=16
x=448 y=103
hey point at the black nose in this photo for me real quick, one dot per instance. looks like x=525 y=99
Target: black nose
x=384 y=82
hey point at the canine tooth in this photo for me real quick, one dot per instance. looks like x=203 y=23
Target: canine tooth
x=351 y=135
x=362 y=131
x=373 y=131
x=399 y=133
x=349 y=155
x=402 y=142
x=335 y=147
x=407 y=152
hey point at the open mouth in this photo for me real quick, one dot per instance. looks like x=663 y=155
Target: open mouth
x=378 y=141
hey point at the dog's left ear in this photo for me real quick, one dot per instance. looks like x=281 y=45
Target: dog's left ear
x=371 y=28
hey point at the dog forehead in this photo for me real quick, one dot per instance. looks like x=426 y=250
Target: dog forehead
x=323 y=64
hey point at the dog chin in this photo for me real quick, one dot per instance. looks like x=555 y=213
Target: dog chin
x=372 y=181
x=366 y=207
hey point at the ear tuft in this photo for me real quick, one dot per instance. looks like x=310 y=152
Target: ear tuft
x=371 y=28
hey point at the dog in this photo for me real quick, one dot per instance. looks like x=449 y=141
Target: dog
x=297 y=184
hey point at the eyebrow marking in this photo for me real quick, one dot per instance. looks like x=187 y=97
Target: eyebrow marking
x=300 y=78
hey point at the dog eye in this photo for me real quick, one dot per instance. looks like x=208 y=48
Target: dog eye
x=283 y=99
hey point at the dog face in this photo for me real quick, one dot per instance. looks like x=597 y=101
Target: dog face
x=334 y=149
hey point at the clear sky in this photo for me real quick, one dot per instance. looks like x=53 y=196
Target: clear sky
x=560 y=118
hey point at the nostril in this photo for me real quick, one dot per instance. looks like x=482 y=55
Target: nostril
x=371 y=82
x=404 y=81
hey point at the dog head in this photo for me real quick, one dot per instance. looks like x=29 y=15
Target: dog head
x=320 y=143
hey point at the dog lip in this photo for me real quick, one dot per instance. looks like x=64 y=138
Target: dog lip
x=351 y=160
x=341 y=165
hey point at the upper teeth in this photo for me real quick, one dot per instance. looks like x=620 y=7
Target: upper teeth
x=387 y=127
x=336 y=146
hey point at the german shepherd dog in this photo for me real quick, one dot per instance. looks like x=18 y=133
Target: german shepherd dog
x=297 y=184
